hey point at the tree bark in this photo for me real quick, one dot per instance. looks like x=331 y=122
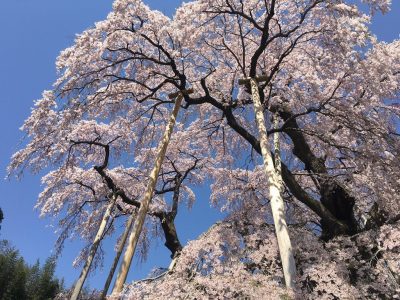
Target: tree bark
x=171 y=237
x=334 y=196
x=93 y=249
x=277 y=205
x=137 y=228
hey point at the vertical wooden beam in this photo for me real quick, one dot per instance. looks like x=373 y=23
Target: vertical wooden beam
x=144 y=205
x=274 y=185
x=277 y=151
x=93 y=249
x=117 y=256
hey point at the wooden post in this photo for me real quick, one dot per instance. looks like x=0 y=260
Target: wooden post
x=144 y=205
x=117 y=256
x=93 y=249
x=277 y=151
x=173 y=262
x=274 y=185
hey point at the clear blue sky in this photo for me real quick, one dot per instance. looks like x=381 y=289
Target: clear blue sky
x=32 y=33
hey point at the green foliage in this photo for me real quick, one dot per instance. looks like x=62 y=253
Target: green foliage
x=18 y=280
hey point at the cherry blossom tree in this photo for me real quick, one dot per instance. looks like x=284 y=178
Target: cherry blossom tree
x=334 y=88
x=238 y=259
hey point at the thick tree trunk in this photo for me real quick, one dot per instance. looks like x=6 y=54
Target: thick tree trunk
x=168 y=222
x=117 y=256
x=171 y=237
x=93 y=249
x=277 y=205
x=334 y=196
x=137 y=228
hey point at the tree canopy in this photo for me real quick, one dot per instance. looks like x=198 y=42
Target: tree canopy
x=335 y=88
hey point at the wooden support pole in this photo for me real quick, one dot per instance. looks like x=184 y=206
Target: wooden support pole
x=173 y=262
x=93 y=249
x=182 y=93
x=277 y=151
x=144 y=205
x=117 y=256
x=274 y=185
x=261 y=78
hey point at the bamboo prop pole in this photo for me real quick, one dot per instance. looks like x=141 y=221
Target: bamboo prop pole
x=117 y=256
x=144 y=205
x=173 y=263
x=274 y=185
x=93 y=249
x=277 y=151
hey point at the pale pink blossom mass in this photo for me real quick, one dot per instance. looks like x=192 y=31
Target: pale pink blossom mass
x=335 y=88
